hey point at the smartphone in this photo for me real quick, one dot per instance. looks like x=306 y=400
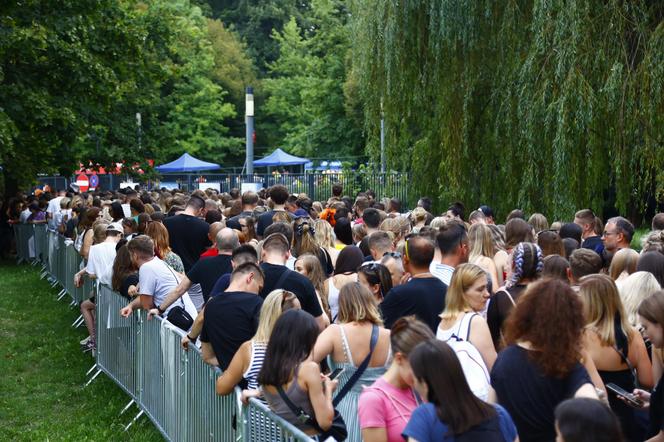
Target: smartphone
x=335 y=374
x=629 y=397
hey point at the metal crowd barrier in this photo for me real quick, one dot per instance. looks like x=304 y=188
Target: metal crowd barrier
x=173 y=387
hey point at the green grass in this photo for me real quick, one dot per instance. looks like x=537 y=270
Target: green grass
x=42 y=371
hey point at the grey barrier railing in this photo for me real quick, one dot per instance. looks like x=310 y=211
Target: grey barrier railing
x=173 y=387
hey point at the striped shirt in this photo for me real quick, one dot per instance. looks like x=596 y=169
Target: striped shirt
x=255 y=364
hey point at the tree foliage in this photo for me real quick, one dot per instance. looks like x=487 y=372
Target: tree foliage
x=545 y=105
x=306 y=86
x=73 y=75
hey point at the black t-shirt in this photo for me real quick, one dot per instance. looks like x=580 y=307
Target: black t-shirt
x=529 y=396
x=230 y=320
x=657 y=409
x=265 y=220
x=188 y=237
x=422 y=297
x=128 y=282
x=499 y=309
x=221 y=285
x=294 y=282
x=207 y=271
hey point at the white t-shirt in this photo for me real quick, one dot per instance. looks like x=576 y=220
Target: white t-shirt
x=157 y=279
x=24 y=216
x=442 y=272
x=100 y=261
x=52 y=209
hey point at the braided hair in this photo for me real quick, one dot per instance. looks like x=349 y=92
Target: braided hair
x=527 y=262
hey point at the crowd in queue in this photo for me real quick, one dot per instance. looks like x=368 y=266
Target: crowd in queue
x=353 y=319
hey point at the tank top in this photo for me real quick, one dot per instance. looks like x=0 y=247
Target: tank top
x=255 y=364
x=298 y=397
x=333 y=298
x=446 y=334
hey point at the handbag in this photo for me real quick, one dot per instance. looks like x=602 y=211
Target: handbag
x=179 y=317
x=360 y=370
x=337 y=431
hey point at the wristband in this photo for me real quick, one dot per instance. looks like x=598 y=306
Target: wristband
x=159 y=309
x=191 y=339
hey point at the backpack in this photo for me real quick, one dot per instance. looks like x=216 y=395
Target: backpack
x=474 y=368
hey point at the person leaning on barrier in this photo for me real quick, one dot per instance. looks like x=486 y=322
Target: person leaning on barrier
x=248 y=360
x=155 y=278
x=100 y=267
x=232 y=319
x=204 y=272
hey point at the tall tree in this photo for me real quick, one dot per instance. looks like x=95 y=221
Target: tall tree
x=546 y=105
x=305 y=90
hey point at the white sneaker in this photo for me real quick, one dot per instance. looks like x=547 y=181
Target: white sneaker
x=85 y=341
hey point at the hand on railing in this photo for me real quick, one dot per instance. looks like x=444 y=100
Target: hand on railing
x=152 y=313
x=126 y=311
x=185 y=342
x=248 y=394
x=78 y=281
x=132 y=291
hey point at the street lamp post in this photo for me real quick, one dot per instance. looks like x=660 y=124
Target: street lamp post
x=249 y=120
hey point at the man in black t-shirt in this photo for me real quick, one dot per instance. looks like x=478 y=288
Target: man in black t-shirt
x=274 y=254
x=422 y=296
x=278 y=195
x=232 y=319
x=249 y=203
x=205 y=272
x=188 y=233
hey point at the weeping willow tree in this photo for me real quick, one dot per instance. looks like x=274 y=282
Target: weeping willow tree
x=547 y=105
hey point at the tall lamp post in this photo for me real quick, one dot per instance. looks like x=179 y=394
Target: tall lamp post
x=249 y=120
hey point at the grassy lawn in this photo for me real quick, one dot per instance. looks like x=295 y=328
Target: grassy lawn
x=42 y=371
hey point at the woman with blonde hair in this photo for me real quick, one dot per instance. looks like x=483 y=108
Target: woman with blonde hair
x=304 y=242
x=324 y=236
x=248 y=359
x=501 y=258
x=616 y=348
x=466 y=298
x=623 y=264
x=418 y=218
x=538 y=222
x=482 y=252
x=358 y=343
x=309 y=266
x=159 y=234
x=633 y=290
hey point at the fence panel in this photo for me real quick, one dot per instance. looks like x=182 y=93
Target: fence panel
x=23 y=233
x=316 y=184
x=117 y=349
x=261 y=425
x=211 y=417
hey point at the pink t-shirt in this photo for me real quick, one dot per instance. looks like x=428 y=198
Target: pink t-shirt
x=384 y=406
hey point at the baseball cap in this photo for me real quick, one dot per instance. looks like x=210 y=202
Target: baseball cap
x=486 y=210
x=117 y=227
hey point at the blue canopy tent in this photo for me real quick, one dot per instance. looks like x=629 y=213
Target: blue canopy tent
x=187 y=163
x=280 y=158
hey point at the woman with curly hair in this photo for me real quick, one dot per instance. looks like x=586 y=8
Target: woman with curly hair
x=541 y=366
x=527 y=266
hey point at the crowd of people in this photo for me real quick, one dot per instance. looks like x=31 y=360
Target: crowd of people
x=354 y=319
